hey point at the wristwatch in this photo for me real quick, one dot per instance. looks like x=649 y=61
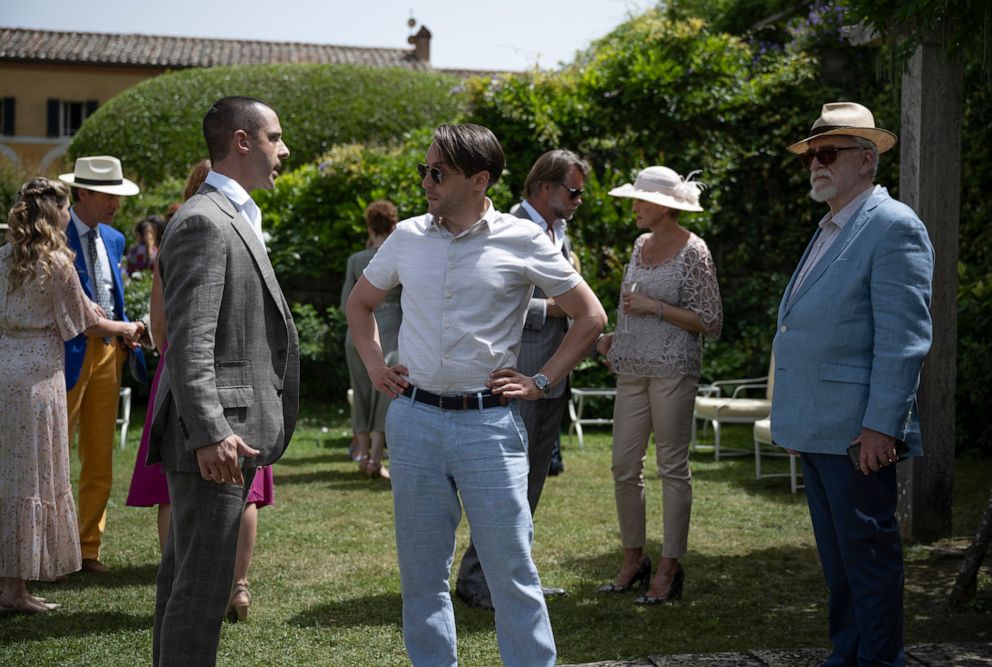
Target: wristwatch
x=542 y=382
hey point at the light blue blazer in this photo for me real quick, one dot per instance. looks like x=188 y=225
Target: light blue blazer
x=75 y=349
x=850 y=344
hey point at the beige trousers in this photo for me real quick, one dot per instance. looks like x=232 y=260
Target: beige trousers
x=662 y=405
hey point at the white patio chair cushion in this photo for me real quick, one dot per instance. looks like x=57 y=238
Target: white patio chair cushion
x=732 y=408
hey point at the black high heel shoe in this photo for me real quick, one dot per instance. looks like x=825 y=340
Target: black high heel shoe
x=641 y=577
x=674 y=591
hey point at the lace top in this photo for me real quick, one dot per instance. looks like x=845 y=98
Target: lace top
x=644 y=345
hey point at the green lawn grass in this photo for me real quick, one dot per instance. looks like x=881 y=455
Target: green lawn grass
x=327 y=590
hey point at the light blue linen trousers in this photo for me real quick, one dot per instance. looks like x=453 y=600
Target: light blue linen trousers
x=437 y=456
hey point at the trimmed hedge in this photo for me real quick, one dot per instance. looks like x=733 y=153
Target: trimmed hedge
x=155 y=127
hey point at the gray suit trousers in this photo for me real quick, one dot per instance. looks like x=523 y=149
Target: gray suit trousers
x=194 y=578
x=543 y=421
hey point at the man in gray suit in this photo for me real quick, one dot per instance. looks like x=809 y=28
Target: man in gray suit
x=228 y=399
x=553 y=190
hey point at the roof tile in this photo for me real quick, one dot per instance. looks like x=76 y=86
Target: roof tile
x=21 y=44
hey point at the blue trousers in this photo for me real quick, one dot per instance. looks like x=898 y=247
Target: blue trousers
x=480 y=456
x=858 y=539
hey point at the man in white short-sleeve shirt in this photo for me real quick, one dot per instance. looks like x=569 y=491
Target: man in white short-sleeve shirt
x=457 y=439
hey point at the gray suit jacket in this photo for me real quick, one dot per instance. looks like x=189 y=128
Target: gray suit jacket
x=542 y=335
x=232 y=366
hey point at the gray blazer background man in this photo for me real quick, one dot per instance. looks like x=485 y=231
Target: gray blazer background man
x=228 y=399
x=553 y=192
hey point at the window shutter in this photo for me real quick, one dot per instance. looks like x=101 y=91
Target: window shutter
x=8 y=116
x=53 y=118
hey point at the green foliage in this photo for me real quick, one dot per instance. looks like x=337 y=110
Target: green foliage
x=11 y=179
x=154 y=127
x=137 y=294
x=975 y=272
x=323 y=367
x=962 y=25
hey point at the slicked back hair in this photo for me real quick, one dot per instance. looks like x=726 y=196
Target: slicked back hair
x=471 y=148
x=227 y=116
x=552 y=167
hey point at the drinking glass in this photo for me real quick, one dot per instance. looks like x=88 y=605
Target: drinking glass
x=628 y=286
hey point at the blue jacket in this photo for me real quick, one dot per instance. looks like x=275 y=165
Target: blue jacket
x=114 y=242
x=850 y=344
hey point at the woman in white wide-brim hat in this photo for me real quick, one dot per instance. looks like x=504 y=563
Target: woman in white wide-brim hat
x=669 y=300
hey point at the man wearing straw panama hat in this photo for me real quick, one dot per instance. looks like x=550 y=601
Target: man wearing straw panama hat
x=93 y=364
x=853 y=329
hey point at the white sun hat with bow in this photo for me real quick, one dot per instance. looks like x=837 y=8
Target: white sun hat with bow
x=664 y=186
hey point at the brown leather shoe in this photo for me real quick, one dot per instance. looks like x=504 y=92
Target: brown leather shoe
x=95 y=566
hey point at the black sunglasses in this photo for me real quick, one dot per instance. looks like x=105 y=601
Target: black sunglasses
x=824 y=155
x=436 y=174
x=573 y=193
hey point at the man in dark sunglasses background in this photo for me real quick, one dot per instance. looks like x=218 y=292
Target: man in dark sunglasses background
x=456 y=437
x=553 y=191
x=853 y=329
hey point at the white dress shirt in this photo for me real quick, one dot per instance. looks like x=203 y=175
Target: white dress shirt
x=557 y=227
x=830 y=228
x=107 y=282
x=242 y=201
x=465 y=296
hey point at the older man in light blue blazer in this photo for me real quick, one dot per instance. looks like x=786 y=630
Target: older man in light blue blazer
x=853 y=330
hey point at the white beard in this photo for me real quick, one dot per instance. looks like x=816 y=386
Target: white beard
x=821 y=193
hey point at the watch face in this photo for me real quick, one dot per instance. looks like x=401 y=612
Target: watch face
x=542 y=382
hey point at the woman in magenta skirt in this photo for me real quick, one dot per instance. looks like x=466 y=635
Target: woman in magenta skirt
x=148 y=485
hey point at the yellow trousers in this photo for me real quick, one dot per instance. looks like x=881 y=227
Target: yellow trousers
x=93 y=405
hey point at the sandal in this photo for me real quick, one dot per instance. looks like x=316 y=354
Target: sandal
x=237 y=608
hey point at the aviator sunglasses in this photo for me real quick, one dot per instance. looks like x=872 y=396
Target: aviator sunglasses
x=436 y=174
x=573 y=193
x=825 y=156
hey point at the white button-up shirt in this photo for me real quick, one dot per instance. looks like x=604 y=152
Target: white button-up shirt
x=465 y=296
x=107 y=284
x=558 y=227
x=830 y=229
x=242 y=201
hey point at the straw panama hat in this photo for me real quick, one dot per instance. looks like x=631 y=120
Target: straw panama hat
x=661 y=185
x=101 y=173
x=847 y=118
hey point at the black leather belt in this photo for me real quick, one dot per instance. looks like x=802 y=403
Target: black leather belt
x=483 y=400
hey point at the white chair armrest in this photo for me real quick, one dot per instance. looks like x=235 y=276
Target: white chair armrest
x=744 y=387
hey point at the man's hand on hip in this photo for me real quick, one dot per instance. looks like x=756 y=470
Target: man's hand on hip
x=390 y=380
x=219 y=462
x=510 y=383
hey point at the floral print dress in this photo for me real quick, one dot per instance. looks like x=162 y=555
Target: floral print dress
x=39 y=538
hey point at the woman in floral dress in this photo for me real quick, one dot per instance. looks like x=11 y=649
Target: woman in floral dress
x=42 y=304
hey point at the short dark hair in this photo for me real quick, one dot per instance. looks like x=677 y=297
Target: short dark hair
x=552 y=167
x=471 y=148
x=381 y=216
x=227 y=116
